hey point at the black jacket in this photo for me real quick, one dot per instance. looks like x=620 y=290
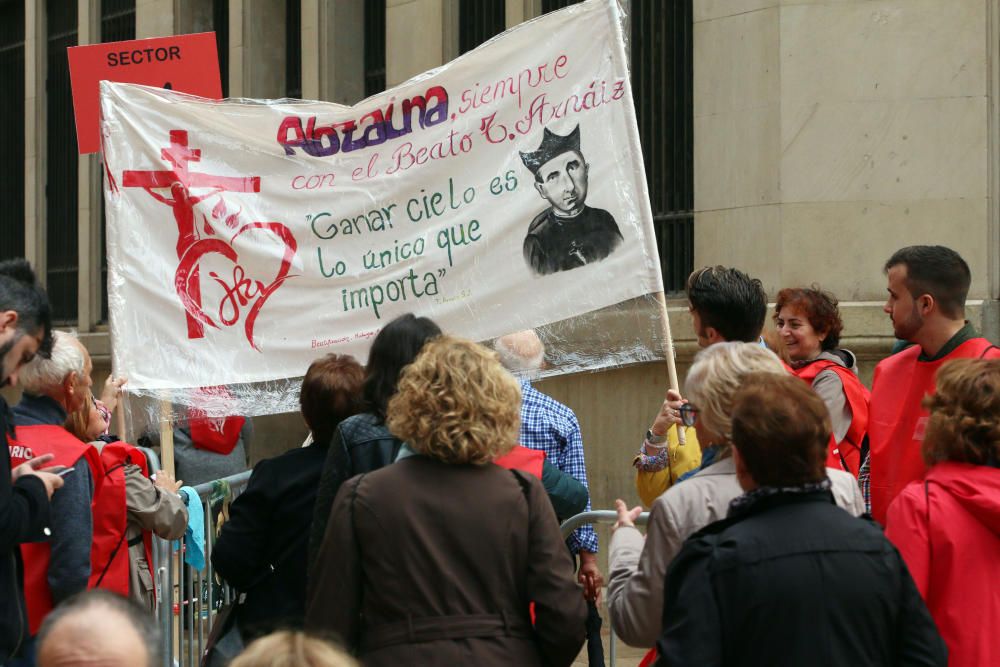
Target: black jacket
x=792 y=579
x=24 y=513
x=361 y=443
x=269 y=526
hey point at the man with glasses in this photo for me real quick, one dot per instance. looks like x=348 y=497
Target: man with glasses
x=726 y=305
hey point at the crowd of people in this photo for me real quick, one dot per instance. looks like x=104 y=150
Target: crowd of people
x=796 y=517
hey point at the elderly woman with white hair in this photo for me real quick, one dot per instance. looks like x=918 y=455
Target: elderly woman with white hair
x=638 y=567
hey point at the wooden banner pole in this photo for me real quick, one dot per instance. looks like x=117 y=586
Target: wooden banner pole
x=120 y=419
x=671 y=361
x=167 y=436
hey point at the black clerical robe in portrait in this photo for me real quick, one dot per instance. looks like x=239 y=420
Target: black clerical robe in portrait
x=559 y=244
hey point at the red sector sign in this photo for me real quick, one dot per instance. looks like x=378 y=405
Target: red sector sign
x=185 y=63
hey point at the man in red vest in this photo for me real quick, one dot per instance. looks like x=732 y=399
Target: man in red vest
x=25 y=490
x=54 y=387
x=927 y=290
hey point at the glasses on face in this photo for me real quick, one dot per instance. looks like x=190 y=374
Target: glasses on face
x=689 y=414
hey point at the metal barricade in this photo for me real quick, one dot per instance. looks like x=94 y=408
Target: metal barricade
x=187 y=600
x=606 y=517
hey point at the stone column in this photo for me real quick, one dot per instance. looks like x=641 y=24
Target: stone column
x=88 y=212
x=435 y=22
x=35 y=115
x=257 y=48
x=991 y=306
x=155 y=18
x=519 y=11
x=333 y=50
x=828 y=135
x=311 y=30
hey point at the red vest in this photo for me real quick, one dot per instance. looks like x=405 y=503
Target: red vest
x=525 y=460
x=69 y=451
x=898 y=418
x=522 y=458
x=109 y=556
x=846 y=454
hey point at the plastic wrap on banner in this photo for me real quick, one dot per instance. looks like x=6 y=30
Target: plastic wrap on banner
x=500 y=192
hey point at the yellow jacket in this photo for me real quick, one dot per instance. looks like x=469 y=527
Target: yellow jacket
x=683 y=458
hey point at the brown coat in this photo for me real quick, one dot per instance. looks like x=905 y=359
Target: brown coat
x=436 y=565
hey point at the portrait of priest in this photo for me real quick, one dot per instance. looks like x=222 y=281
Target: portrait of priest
x=568 y=234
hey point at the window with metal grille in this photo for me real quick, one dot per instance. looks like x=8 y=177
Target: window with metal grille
x=220 y=23
x=663 y=92
x=293 y=49
x=478 y=20
x=12 y=122
x=117 y=24
x=374 y=46
x=61 y=165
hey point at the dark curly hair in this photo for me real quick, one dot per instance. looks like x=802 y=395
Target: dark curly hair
x=819 y=307
x=964 y=424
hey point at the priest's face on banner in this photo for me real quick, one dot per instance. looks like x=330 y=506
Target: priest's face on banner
x=563 y=182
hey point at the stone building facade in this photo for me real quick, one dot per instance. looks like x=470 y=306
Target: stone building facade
x=822 y=135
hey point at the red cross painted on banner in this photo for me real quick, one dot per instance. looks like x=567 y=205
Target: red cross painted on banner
x=181 y=181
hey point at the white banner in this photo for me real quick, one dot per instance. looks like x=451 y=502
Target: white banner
x=502 y=191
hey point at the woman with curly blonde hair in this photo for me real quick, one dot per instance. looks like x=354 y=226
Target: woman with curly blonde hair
x=288 y=648
x=947 y=526
x=434 y=560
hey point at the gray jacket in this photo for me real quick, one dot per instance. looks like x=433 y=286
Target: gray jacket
x=830 y=388
x=638 y=567
x=148 y=508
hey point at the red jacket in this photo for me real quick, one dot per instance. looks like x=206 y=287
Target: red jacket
x=109 y=555
x=897 y=418
x=35 y=441
x=949 y=536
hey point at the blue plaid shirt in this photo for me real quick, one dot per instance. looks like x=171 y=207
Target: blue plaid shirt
x=549 y=426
